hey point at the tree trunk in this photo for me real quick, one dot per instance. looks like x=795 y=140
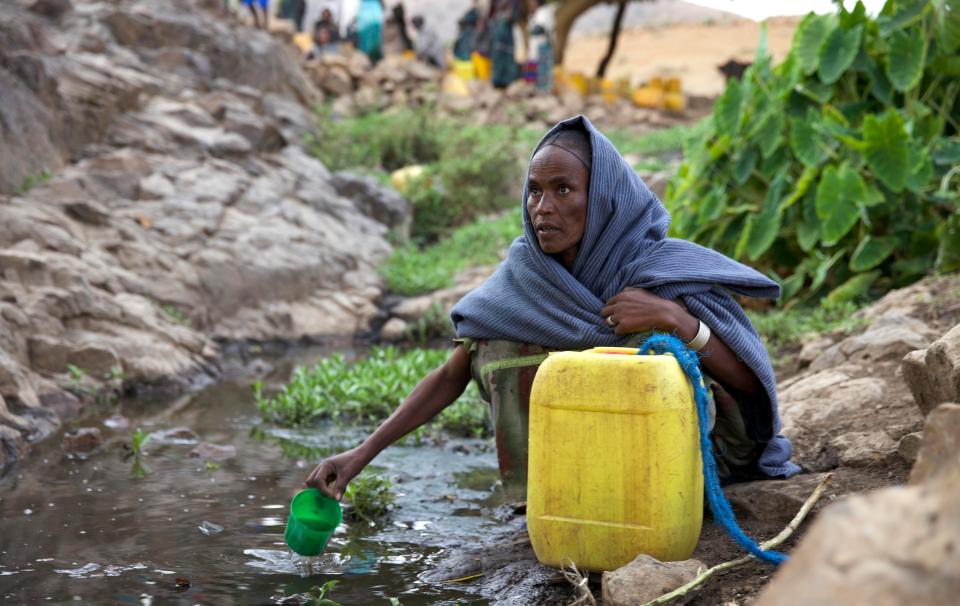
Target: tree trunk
x=614 y=34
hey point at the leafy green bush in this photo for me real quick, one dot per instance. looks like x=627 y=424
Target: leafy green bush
x=833 y=170
x=412 y=271
x=383 y=140
x=368 y=389
x=370 y=496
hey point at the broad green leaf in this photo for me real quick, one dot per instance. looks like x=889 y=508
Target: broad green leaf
x=805 y=142
x=906 y=58
x=838 y=52
x=764 y=227
x=853 y=289
x=775 y=164
x=712 y=205
x=871 y=252
x=840 y=194
x=720 y=147
x=744 y=165
x=907 y=14
x=823 y=270
x=808 y=229
x=816 y=91
x=770 y=133
x=921 y=168
x=948 y=256
x=885 y=149
x=946 y=151
x=947 y=65
x=792 y=285
x=807 y=40
x=726 y=113
x=948 y=25
x=803 y=185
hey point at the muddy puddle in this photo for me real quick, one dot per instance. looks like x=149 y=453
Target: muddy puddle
x=88 y=531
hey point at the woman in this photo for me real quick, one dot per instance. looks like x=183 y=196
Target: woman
x=594 y=267
x=505 y=68
x=370 y=29
x=540 y=55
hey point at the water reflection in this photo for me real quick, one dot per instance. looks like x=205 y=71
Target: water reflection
x=92 y=531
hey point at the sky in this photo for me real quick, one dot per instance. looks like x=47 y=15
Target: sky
x=761 y=9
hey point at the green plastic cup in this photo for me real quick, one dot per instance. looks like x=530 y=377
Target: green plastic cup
x=313 y=518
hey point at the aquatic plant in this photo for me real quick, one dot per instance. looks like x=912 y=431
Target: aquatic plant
x=317 y=595
x=370 y=496
x=367 y=390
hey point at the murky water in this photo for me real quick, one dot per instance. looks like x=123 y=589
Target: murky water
x=88 y=531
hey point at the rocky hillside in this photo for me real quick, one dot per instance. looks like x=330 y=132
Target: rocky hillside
x=155 y=199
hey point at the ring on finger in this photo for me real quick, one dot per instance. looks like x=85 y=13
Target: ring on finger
x=611 y=321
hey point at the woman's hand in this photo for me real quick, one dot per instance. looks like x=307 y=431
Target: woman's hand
x=333 y=474
x=638 y=310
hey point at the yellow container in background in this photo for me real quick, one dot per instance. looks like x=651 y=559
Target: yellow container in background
x=464 y=70
x=483 y=66
x=614 y=466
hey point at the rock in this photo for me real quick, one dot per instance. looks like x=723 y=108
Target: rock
x=214 y=452
x=772 y=501
x=209 y=528
x=813 y=349
x=864 y=448
x=81 y=442
x=155 y=187
x=939 y=453
x=933 y=374
x=646 y=578
x=394 y=330
x=820 y=399
x=176 y=435
x=116 y=422
x=54 y=9
x=336 y=80
x=891 y=546
x=909 y=446
x=88 y=212
x=380 y=203
x=889 y=337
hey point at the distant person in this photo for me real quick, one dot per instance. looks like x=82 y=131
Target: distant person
x=260 y=19
x=505 y=69
x=466 y=33
x=541 y=28
x=396 y=40
x=428 y=46
x=294 y=11
x=326 y=40
x=370 y=29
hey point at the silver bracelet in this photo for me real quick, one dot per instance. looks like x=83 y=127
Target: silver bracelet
x=703 y=335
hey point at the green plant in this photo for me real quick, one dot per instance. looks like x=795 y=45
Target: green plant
x=370 y=496
x=433 y=324
x=412 y=271
x=782 y=329
x=832 y=171
x=317 y=595
x=31 y=181
x=137 y=441
x=366 y=390
x=174 y=314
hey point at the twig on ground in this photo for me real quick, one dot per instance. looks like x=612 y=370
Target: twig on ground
x=580 y=583
x=780 y=538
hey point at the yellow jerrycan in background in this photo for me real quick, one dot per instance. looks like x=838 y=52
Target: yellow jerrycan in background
x=614 y=467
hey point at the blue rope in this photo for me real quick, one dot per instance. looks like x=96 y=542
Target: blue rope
x=690 y=363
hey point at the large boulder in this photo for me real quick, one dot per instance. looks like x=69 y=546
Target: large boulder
x=933 y=374
x=892 y=546
x=380 y=203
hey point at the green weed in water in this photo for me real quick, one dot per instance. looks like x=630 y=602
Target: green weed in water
x=370 y=496
x=317 y=595
x=367 y=390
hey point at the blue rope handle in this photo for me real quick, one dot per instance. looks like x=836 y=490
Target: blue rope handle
x=690 y=363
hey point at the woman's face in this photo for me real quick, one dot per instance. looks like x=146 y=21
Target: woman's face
x=557 y=187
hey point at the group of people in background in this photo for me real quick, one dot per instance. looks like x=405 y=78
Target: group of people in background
x=487 y=41
x=488 y=38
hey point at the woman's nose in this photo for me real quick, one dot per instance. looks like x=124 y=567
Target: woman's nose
x=545 y=204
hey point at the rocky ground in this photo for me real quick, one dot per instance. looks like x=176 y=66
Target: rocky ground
x=855 y=407
x=155 y=200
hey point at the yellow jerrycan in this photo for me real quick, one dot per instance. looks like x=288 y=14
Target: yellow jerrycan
x=614 y=467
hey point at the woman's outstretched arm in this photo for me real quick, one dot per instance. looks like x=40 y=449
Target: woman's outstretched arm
x=432 y=394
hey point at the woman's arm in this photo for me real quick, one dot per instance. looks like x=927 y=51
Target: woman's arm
x=638 y=310
x=432 y=394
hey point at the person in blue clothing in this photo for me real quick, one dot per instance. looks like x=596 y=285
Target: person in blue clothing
x=259 y=9
x=370 y=29
x=594 y=267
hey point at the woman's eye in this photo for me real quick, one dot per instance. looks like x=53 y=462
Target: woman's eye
x=564 y=189
x=534 y=191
